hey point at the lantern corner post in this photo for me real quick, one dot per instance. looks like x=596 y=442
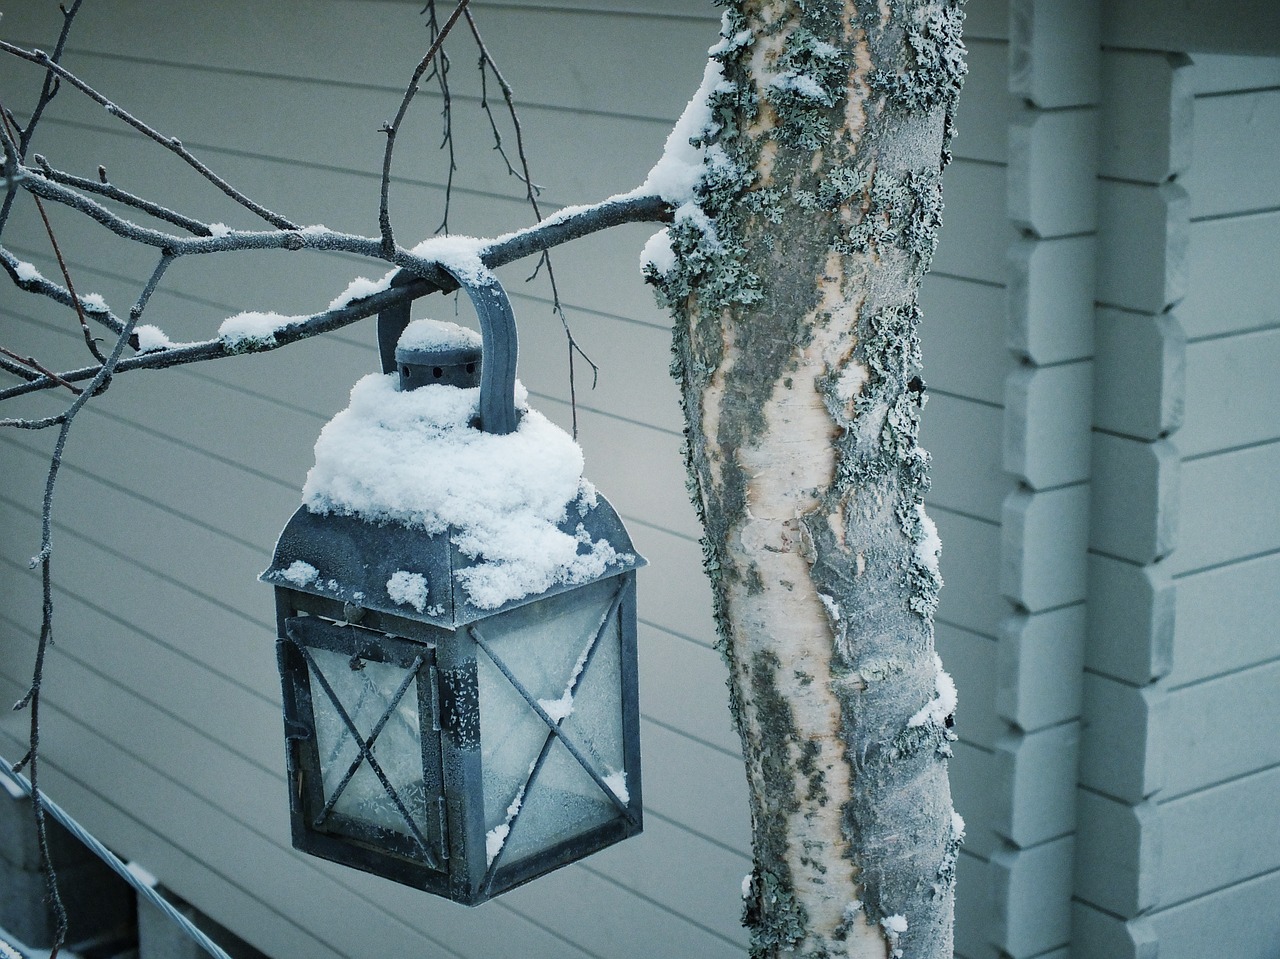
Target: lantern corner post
x=461 y=765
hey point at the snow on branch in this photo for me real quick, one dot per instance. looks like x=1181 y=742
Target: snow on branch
x=568 y=224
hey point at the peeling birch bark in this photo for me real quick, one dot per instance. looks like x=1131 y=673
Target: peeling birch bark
x=796 y=351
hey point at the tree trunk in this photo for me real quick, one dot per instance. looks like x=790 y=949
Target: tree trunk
x=794 y=284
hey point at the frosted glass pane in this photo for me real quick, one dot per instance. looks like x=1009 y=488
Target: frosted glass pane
x=511 y=736
x=562 y=802
x=541 y=642
x=542 y=645
x=365 y=694
x=595 y=725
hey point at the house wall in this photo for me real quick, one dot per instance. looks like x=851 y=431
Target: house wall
x=1179 y=850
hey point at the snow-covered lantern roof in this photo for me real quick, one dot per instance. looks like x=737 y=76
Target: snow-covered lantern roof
x=456 y=616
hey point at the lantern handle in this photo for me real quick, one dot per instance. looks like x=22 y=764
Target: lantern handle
x=497 y=333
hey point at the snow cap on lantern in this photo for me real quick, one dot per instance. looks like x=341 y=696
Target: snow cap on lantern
x=456 y=613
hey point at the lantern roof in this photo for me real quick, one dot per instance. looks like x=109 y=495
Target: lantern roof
x=406 y=571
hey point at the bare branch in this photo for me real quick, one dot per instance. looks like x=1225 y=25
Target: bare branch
x=487 y=63
x=561 y=227
x=440 y=73
x=66 y=276
x=59 y=294
x=172 y=144
x=24 y=365
x=105 y=188
x=391 y=129
x=48 y=91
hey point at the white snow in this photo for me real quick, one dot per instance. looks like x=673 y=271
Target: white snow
x=218 y=230
x=929 y=548
x=251 y=327
x=301 y=573
x=800 y=84
x=617 y=783
x=562 y=708
x=746 y=885
x=494 y=840
x=408 y=589
x=413 y=458
x=27 y=271
x=677 y=172
x=497 y=836
x=894 y=926
x=558 y=709
x=459 y=254
x=957 y=825
x=93 y=303
x=739 y=39
x=152 y=338
x=438 y=335
x=361 y=287
x=943 y=703
x=657 y=253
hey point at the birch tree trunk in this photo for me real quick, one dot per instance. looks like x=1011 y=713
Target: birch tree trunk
x=794 y=285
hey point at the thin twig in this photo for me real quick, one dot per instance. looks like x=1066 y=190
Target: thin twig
x=32 y=699
x=440 y=73
x=487 y=63
x=17 y=369
x=173 y=144
x=66 y=274
x=105 y=188
x=48 y=91
x=391 y=129
x=554 y=230
x=31 y=363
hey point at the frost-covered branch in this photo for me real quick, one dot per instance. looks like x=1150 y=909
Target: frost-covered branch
x=568 y=224
x=105 y=188
x=172 y=144
x=391 y=129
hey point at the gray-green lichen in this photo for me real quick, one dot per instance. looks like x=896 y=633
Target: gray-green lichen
x=771 y=912
x=936 y=70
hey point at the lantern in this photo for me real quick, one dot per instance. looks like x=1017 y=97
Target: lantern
x=460 y=712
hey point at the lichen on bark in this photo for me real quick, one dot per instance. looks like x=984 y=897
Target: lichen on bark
x=794 y=296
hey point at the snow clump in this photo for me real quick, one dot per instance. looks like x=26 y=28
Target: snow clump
x=300 y=573
x=152 y=338
x=408 y=589
x=943 y=704
x=414 y=458
x=438 y=335
x=254 y=329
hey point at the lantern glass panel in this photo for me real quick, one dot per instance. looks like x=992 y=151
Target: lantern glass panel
x=366 y=692
x=565 y=651
x=562 y=801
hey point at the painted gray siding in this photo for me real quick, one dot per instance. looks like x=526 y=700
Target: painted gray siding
x=1179 y=801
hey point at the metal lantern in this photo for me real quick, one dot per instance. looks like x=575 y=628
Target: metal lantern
x=456 y=749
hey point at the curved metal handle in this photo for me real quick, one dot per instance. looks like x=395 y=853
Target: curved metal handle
x=497 y=332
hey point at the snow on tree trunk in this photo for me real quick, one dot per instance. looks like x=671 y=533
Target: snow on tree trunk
x=793 y=276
